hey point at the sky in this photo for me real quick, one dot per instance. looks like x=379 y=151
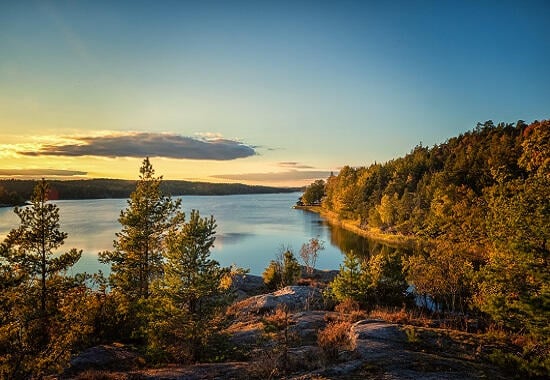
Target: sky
x=260 y=92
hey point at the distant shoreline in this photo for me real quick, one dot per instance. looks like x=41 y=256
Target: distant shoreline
x=121 y=189
x=353 y=226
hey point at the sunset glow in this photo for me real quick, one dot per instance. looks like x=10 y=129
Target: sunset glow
x=230 y=93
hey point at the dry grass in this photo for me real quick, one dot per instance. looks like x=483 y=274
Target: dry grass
x=266 y=365
x=334 y=338
x=93 y=374
x=349 y=310
x=496 y=333
x=402 y=316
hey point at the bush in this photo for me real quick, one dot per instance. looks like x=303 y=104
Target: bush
x=283 y=271
x=334 y=338
x=349 y=310
x=523 y=367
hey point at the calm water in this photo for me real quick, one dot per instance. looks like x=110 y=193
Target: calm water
x=251 y=229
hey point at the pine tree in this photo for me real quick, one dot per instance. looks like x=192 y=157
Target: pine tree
x=514 y=286
x=191 y=292
x=137 y=257
x=352 y=281
x=32 y=245
x=36 y=335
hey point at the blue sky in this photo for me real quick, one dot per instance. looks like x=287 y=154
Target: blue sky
x=303 y=87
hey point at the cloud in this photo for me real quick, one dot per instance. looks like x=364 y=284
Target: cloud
x=147 y=144
x=289 y=175
x=294 y=164
x=41 y=172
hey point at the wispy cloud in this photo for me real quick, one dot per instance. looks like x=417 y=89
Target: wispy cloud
x=289 y=175
x=294 y=165
x=140 y=144
x=41 y=172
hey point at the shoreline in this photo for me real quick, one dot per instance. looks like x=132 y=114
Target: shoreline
x=353 y=226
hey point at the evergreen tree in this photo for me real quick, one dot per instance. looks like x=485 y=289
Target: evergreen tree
x=36 y=333
x=514 y=285
x=31 y=246
x=191 y=292
x=388 y=285
x=352 y=282
x=283 y=271
x=137 y=257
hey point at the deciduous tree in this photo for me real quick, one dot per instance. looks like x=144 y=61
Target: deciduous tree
x=309 y=253
x=314 y=193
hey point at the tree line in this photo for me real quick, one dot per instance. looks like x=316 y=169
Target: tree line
x=15 y=192
x=479 y=208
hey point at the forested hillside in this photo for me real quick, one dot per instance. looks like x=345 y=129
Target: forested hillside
x=418 y=193
x=479 y=206
x=14 y=191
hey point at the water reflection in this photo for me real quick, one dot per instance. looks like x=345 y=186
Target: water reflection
x=232 y=237
x=349 y=242
x=251 y=229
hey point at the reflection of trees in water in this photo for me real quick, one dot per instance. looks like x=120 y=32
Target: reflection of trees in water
x=313 y=223
x=348 y=242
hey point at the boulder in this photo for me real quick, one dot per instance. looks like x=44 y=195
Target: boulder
x=247 y=285
x=105 y=357
x=294 y=297
x=373 y=329
x=306 y=325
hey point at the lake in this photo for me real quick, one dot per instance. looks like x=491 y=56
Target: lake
x=251 y=229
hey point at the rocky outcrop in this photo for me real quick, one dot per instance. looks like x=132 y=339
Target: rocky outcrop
x=303 y=325
x=247 y=285
x=306 y=324
x=294 y=297
x=398 y=355
x=379 y=350
x=214 y=371
x=105 y=357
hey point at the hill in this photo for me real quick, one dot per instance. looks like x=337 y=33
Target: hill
x=478 y=206
x=428 y=190
x=17 y=191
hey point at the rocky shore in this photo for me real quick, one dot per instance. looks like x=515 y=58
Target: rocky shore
x=377 y=349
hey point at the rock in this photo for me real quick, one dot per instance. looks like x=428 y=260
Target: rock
x=231 y=370
x=306 y=325
x=248 y=285
x=382 y=351
x=105 y=357
x=386 y=345
x=321 y=275
x=247 y=337
x=304 y=357
x=294 y=297
x=342 y=369
x=373 y=329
